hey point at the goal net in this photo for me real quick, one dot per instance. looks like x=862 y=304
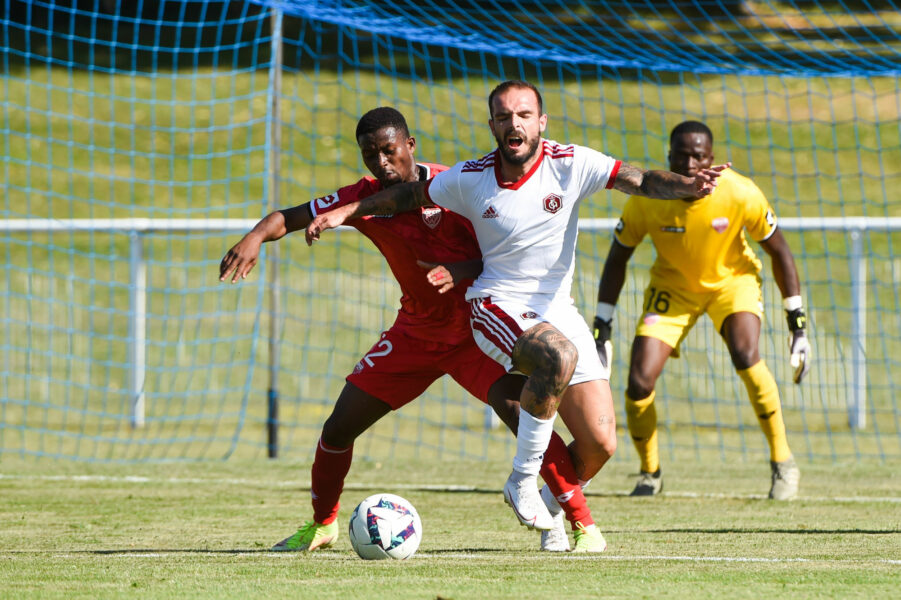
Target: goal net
x=141 y=139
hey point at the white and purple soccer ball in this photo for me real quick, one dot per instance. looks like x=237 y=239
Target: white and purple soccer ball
x=385 y=526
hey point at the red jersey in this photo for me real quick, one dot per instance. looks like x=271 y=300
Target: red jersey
x=431 y=234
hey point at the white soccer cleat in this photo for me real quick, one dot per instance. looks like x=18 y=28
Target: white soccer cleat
x=555 y=539
x=786 y=477
x=523 y=497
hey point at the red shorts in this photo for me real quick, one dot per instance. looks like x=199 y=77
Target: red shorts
x=398 y=368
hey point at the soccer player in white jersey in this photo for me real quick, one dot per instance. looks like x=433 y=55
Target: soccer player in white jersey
x=430 y=337
x=522 y=200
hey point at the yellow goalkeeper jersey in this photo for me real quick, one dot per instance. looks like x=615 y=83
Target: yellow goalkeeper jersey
x=701 y=244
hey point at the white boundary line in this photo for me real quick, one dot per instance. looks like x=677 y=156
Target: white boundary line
x=682 y=558
x=406 y=486
x=546 y=556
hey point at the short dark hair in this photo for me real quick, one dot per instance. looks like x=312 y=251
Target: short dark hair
x=379 y=118
x=690 y=127
x=513 y=83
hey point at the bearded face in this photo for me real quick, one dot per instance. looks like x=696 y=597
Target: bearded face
x=516 y=146
x=517 y=123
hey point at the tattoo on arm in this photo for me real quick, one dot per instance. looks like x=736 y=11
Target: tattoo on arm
x=628 y=179
x=665 y=185
x=398 y=198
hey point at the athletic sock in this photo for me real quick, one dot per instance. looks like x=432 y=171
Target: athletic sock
x=330 y=467
x=641 y=417
x=531 y=443
x=562 y=490
x=764 y=396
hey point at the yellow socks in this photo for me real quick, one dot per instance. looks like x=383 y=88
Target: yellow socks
x=642 y=419
x=764 y=396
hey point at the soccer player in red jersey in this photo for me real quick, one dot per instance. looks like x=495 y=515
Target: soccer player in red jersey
x=430 y=337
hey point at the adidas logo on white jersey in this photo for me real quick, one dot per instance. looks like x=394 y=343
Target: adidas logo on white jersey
x=490 y=213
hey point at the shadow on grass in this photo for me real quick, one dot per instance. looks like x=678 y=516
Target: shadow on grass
x=739 y=530
x=459 y=489
x=444 y=551
x=437 y=552
x=144 y=551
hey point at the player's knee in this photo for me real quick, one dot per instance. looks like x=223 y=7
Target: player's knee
x=597 y=445
x=545 y=350
x=640 y=385
x=334 y=434
x=553 y=369
x=596 y=455
x=562 y=359
x=744 y=357
x=605 y=437
x=607 y=448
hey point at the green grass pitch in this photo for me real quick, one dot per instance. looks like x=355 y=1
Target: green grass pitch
x=203 y=530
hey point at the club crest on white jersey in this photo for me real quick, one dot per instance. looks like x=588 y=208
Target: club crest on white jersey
x=552 y=203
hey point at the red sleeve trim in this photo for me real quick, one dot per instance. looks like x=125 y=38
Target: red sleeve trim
x=611 y=180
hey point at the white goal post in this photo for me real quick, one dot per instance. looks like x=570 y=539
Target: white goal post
x=136 y=228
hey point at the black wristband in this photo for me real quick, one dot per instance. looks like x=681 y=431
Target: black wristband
x=602 y=328
x=797 y=319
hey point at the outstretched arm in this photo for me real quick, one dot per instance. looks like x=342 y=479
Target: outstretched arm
x=243 y=256
x=400 y=197
x=666 y=184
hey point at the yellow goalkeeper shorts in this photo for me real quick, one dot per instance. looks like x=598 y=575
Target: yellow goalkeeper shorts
x=669 y=313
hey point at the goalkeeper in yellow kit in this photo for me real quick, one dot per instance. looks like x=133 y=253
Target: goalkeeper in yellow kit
x=704 y=265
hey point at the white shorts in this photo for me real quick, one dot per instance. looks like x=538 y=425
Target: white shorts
x=497 y=324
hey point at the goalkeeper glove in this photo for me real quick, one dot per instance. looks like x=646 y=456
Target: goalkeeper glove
x=797 y=342
x=602 y=340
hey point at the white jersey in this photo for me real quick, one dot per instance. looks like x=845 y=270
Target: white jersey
x=526 y=230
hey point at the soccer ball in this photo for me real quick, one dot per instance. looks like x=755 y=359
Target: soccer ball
x=385 y=526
